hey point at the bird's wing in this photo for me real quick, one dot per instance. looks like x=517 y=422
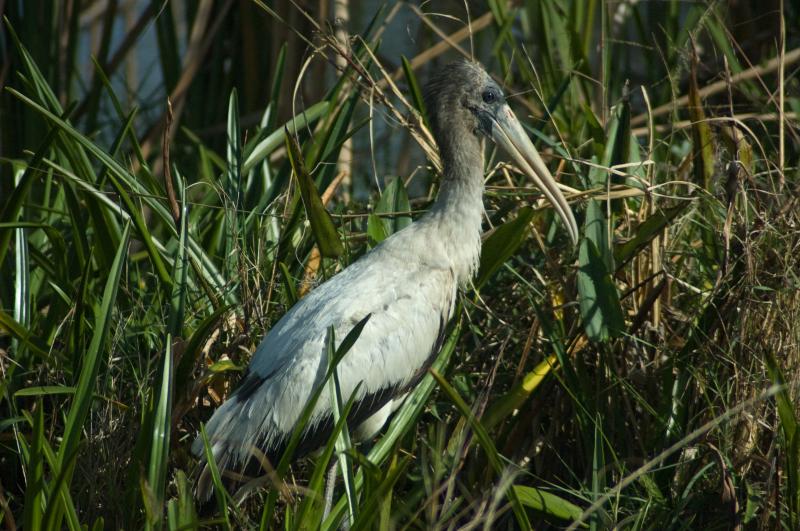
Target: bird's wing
x=409 y=303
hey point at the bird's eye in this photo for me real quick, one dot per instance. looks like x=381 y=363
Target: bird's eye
x=489 y=96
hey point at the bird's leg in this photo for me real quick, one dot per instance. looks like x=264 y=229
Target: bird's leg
x=329 y=488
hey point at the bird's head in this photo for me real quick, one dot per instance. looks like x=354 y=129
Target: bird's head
x=463 y=100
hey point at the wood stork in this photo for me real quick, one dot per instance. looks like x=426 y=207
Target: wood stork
x=408 y=284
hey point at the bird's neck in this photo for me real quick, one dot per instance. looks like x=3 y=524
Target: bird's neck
x=458 y=210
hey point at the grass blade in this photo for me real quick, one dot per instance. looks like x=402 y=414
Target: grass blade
x=91 y=363
x=161 y=428
x=346 y=344
x=485 y=441
x=343 y=443
x=278 y=138
x=220 y=494
x=35 y=489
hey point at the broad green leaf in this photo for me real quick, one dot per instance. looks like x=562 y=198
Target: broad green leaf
x=180 y=511
x=546 y=502
x=501 y=244
x=394 y=201
x=330 y=246
x=595 y=130
x=376 y=230
x=224 y=365
x=513 y=399
x=601 y=312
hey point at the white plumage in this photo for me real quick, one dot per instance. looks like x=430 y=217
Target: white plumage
x=408 y=284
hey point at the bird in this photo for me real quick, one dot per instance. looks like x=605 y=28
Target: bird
x=405 y=288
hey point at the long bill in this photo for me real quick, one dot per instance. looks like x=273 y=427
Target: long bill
x=508 y=133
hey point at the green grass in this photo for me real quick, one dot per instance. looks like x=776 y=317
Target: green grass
x=646 y=379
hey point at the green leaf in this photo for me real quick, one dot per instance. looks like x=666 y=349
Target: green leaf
x=393 y=201
x=327 y=151
x=376 y=230
x=599 y=301
x=703 y=145
x=791 y=438
x=369 y=508
x=12 y=205
x=288 y=283
x=413 y=86
x=306 y=517
x=342 y=441
x=486 y=443
x=646 y=231
x=504 y=406
x=220 y=493
x=299 y=428
x=55 y=511
x=330 y=246
x=34 y=466
x=180 y=511
x=277 y=81
x=21 y=334
x=160 y=434
x=501 y=244
x=595 y=130
x=141 y=226
x=194 y=349
x=179 y=271
x=233 y=185
x=403 y=420
x=92 y=360
x=547 y=503
x=264 y=148
x=45 y=390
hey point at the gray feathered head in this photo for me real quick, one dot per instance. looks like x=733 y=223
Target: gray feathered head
x=460 y=96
